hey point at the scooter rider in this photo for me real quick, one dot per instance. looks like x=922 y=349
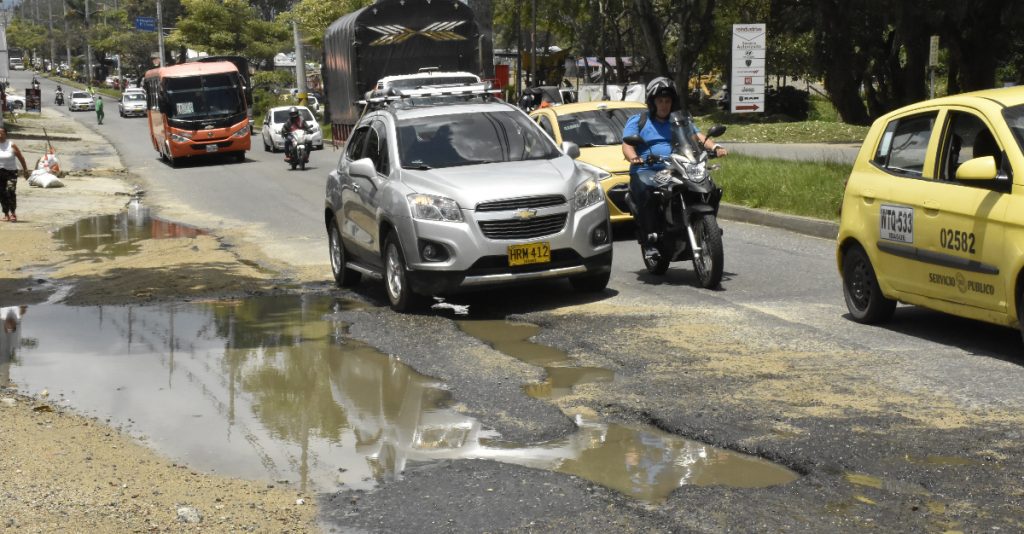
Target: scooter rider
x=295 y=122
x=656 y=130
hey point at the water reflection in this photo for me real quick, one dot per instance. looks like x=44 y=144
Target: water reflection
x=118 y=235
x=272 y=388
x=10 y=338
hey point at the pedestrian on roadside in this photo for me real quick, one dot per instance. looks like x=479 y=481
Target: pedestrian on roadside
x=99 y=109
x=10 y=155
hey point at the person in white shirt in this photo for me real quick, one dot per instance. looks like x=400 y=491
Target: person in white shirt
x=10 y=156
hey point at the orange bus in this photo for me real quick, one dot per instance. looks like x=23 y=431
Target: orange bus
x=197 y=109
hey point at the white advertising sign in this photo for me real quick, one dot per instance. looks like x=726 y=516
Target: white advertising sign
x=746 y=86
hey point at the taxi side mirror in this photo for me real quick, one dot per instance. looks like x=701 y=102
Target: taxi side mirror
x=983 y=168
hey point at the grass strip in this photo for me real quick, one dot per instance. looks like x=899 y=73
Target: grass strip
x=810 y=189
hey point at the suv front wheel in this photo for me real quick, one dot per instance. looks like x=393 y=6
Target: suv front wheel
x=396 y=280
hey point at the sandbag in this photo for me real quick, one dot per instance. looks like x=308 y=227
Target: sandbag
x=44 y=178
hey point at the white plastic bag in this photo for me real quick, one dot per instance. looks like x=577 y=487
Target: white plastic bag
x=44 y=178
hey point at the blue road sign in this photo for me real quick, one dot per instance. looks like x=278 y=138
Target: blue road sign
x=146 y=24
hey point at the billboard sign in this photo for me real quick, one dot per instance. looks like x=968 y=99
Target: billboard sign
x=746 y=88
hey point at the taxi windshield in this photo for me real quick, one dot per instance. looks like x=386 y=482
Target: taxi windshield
x=1015 y=120
x=598 y=127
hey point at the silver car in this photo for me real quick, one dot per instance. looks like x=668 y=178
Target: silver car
x=438 y=194
x=132 y=105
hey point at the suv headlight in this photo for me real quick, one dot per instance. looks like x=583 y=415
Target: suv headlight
x=434 y=208
x=587 y=194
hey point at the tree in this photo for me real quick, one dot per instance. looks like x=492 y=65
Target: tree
x=314 y=16
x=231 y=27
x=25 y=35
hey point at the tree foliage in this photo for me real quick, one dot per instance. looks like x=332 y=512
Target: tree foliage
x=314 y=16
x=231 y=27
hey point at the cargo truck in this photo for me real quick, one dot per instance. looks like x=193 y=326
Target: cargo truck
x=393 y=37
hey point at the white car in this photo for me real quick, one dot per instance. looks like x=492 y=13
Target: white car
x=426 y=77
x=273 y=141
x=15 y=102
x=81 y=101
x=133 y=104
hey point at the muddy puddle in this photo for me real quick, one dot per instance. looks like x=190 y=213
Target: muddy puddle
x=272 y=388
x=110 y=236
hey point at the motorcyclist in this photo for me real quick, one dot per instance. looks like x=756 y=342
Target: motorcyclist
x=58 y=97
x=295 y=122
x=656 y=130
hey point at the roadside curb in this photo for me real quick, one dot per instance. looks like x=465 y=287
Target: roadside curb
x=794 y=223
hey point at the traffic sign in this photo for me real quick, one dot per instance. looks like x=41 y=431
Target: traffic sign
x=146 y=24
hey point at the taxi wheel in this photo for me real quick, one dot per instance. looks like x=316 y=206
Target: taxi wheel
x=396 y=280
x=864 y=298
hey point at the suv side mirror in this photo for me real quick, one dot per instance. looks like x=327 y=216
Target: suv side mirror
x=570 y=149
x=362 y=168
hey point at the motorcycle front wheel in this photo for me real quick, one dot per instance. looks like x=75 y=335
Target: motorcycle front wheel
x=657 y=265
x=707 y=263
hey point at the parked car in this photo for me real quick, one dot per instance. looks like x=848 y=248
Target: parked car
x=273 y=141
x=313 y=103
x=15 y=102
x=439 y=194
x=133 y=104
x=596 y=127
x=931 y=215
x=81 y=101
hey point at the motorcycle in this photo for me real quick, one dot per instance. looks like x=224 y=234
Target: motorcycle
x=58 y=99
x=687 y=200
x=299 y=154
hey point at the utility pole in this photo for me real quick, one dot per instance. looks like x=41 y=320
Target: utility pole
x=88 y=48
x=67 y=37
x=160 y=31
x=300 y=66
x=533 y=45
x=519 y=51
x=53 y=44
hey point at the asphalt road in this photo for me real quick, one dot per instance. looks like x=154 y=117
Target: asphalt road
x=852 y=408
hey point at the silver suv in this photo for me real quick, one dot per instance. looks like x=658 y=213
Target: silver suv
x=436 y=194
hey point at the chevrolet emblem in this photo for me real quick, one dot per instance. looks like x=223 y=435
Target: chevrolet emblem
x=525 y=214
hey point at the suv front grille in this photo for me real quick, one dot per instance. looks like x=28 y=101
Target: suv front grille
x=521 y=203
x=524 y=229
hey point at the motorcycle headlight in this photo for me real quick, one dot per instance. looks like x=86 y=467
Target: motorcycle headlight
x=434 y=208
x=587 y=194
x=696 y=172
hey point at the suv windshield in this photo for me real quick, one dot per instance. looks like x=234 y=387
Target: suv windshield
x=209 y=96
x=595 y=128
x=471 y=139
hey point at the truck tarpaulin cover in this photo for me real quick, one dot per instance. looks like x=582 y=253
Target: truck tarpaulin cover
x=394 y=37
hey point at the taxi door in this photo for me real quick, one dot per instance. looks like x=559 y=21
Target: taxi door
x=906 y=155
x=960 y=238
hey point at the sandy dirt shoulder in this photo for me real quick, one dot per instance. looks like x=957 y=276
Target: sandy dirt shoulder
x=63 y=472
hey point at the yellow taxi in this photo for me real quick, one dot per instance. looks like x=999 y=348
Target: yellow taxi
x=597 y=128
x=933 y=213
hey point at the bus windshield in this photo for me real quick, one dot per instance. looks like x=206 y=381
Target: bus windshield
x=203 y=97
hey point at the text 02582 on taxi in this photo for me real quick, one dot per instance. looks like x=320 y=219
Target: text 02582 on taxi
x=933 y=213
